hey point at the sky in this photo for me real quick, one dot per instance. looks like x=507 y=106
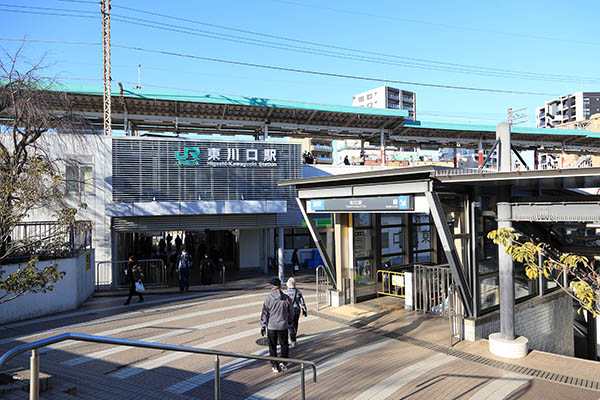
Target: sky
x=543 y=49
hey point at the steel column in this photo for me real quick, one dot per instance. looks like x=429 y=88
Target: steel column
x=507 y=282
x=280 y=244
x=217 y=379
x=435 y=208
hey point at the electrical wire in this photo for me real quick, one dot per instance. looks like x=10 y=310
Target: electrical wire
x=298 y=70
x=237 y=39
x=464 y=68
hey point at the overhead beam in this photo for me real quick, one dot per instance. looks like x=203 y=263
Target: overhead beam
x=556 y=212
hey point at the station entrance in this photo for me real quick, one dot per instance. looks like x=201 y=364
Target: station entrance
x=221 y=247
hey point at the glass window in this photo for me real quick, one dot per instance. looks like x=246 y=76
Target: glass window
x=362 y=220
x=421 y=238
x=392 y=240
x=392 y=219
x=363 y=246
x=489 y=291
x=369 y=96
x=72 y=178
x=79 y=179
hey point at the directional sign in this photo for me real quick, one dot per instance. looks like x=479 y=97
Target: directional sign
x=358 y=204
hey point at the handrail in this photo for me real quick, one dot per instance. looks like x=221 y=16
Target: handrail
x=34 y=373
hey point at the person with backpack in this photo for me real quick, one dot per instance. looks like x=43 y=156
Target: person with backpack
x=299 y=307
x=184 y=267
x=275 y=319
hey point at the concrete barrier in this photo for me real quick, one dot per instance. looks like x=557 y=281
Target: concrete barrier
x=73 y=289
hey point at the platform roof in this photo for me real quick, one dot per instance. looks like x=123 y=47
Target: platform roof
x=182 y=112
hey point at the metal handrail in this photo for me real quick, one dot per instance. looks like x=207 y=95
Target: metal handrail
x=35 y=362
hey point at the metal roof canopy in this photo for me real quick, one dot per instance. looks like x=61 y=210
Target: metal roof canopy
x=234 y=115
x=445 y=177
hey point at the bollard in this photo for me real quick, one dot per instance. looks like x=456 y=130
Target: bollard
x=34 y=375
x=302 y=381
x=217 y=380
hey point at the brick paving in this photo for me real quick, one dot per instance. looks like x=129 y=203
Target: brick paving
x=356 y=354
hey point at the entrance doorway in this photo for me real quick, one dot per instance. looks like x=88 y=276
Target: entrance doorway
x=221 y=246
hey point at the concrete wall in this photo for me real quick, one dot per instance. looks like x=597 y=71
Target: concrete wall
x=547 y=321
x=75 y=287
x=250 y=249
x=87 y=150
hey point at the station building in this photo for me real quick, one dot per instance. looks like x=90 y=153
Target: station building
x=255 y=202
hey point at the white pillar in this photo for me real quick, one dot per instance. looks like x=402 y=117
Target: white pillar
x=280 y=253
x=265 y=246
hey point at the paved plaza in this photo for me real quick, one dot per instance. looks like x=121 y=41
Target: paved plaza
x=362 y=352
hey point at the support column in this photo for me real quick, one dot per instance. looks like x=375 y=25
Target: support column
x=455 y=158
x=536 y=161
x=265 y=246
x=280 y=242
x=507 y=283
x=382 y=148
x=504 y=344
x=504 y=151
x=266 y=133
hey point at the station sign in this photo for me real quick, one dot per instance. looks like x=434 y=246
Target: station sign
x=226 y=157
x=363 y=204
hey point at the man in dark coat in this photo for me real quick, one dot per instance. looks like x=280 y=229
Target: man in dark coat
x=184 y=267
x=275 y=319
x=133 y=274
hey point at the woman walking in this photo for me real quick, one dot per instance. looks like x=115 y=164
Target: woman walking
x=134 y=275
x=299 y=307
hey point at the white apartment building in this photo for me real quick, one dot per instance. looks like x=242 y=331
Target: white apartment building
x=388 y=97
x=565 y=109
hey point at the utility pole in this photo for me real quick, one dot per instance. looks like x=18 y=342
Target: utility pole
x=105 y=9
x=519 y=116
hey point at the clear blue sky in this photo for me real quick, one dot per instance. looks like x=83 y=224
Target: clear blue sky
x=540 y=37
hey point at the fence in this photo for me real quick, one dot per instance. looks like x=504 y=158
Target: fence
x=111 y=274
x=432 y=288
x=323 y=287
x=47 y=239
x=391 y=283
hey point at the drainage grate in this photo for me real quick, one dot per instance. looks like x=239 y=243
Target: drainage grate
x=532 y=372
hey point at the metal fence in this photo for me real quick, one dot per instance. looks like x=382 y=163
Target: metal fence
x=111 y=274
x=323 y=287
x=390 y=283
x=432 y=288
x=48 y=239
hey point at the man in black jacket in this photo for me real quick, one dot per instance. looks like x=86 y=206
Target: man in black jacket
x=133 y=274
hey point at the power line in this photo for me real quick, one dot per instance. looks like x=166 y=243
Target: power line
x=298 y=70
x=458 y=68
x=470 y=68
x=448 y=26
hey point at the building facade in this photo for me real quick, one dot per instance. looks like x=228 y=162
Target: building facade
x=320 y=148
x=388 y=97
x=568 y=109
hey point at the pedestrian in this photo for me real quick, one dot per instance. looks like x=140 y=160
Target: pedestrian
x=275 y=319
x=361 y=158
x=134 y=274
x=298 y=305
x=184 y=267
x=169 y=238
x=206 y=270
x=295 y=262
x=346 y=161
x=178 y=242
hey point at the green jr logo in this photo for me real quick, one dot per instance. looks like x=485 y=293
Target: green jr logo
x=194 y=152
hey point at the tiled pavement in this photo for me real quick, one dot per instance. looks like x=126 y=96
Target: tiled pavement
x=354 y=362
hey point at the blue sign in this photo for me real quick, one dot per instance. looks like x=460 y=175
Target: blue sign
x=358 y=204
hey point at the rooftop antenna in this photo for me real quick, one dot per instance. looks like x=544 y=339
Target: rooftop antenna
x=139 y=85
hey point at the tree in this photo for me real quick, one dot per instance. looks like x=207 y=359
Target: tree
x=30 y=178
x=583 y=274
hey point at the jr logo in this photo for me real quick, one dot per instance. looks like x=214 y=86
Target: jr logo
x=188 y=151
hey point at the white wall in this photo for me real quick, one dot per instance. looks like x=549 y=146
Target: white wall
x=94 y=151
x=69 y=292
x=250 y=249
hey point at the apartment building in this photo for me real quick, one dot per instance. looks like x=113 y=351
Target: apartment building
x=567 y=109
x=388 y=97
